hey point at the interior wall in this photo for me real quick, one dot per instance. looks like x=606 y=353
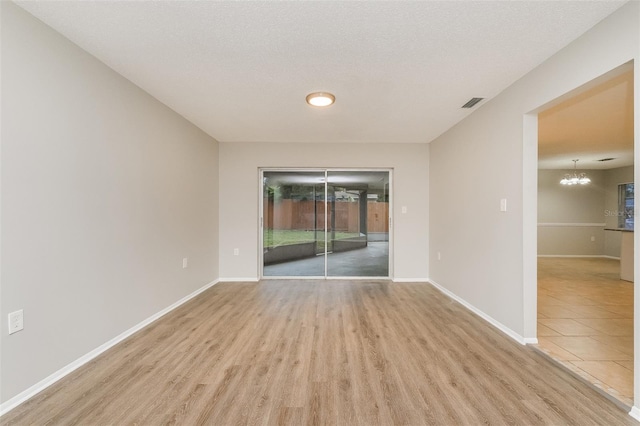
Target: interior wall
x=571 y=218
x=239 y=197
x=568 y=217
x=495 y=146
x=104 y=192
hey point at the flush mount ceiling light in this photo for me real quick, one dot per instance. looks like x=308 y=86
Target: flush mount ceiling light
x=576 y=178
x=320 y=99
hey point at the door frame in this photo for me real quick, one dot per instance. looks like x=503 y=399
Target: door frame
x=325 y=170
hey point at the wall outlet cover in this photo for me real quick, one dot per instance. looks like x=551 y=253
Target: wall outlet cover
x=16 y=321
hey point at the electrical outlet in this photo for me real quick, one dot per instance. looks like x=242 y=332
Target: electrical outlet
x=185 y=262
x=593 y=238
x=16 y=321
x=439 y=256
x=236 y=252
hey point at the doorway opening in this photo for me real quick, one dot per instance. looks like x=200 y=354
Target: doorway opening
x=325 y=223
x=585 y=288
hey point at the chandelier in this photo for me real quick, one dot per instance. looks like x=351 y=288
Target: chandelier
x=575 y=179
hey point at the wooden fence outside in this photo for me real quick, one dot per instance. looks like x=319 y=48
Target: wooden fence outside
x=298 y=215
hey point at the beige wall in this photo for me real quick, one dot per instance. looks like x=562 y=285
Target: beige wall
x=104 y=191
x=565 y=211
x=488 y=257
x=239 y=164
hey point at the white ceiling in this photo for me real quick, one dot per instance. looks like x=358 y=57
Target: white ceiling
x=592 y=124
x=399 y=70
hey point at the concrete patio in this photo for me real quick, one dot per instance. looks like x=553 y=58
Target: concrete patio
x=371 y=261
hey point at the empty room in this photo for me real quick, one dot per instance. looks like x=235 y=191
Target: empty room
x=312 y=213
x=585 y=232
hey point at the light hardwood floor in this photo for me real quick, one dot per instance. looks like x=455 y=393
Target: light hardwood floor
x=585 y=320
x=320 y=352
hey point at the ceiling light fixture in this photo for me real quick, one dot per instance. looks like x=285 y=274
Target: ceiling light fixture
x=576 y=178
x=320 y=99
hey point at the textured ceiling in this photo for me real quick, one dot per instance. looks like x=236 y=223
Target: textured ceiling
x=399 y=70
x=595 y=123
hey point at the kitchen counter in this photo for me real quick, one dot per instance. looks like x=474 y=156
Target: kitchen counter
x=626 y=253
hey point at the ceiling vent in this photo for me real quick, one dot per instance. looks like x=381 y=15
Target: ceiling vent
x=472 y=102
x=606 y=159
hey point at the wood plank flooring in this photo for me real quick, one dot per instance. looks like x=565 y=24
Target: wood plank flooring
x=319 y=353
x=585 y=320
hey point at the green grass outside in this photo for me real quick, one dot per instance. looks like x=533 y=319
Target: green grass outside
x=281 y=237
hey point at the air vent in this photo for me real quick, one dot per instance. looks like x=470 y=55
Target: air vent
x=605 y=159
x=472 y=102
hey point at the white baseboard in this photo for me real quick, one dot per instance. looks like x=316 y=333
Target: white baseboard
x=410 y=280
x=635 y=413
x=506 y=330
x=239 y=280
x=579 y=255
x=347 y=278
x=530 y=340
x=572 y=225
x=45 y=383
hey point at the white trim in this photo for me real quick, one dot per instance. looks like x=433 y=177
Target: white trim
x=48 y=381
x=325 y=254
x=530 y=340
x=529 y=222
x=594 y=225
x=321 y=278
x=579 y=255
x=292 y=277
x=635 y=413
x=410 y=280
x=506 y=330
x=239 y=280
x=347 y=278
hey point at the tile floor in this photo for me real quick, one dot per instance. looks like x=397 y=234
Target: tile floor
x=585 y=320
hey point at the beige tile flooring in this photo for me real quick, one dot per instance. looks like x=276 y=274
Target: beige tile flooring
x=585 y=320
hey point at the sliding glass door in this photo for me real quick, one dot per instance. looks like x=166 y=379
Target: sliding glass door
x=358 y=232
x=293 y=242
x=325 y=223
